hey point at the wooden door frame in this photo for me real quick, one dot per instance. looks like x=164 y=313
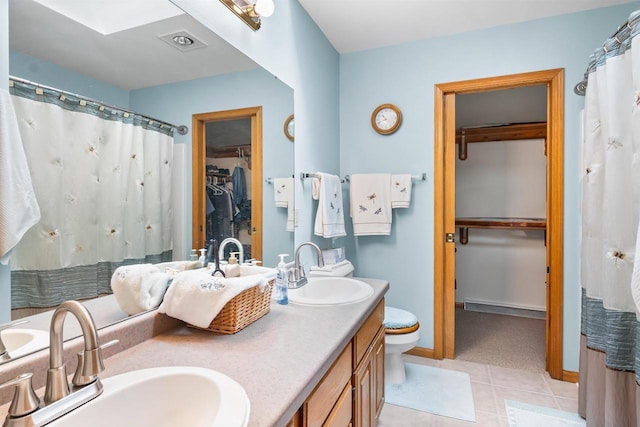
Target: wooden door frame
x=198 y=167
x=444 y=216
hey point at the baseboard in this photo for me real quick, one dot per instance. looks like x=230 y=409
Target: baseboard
x=570 y=376
x=421 y=352
x=501 y=309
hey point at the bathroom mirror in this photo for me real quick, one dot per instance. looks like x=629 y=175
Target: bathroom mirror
x=141 y=71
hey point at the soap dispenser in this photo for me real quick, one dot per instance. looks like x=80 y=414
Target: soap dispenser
x=233 y=268
x=203 y=257
x=281 y=290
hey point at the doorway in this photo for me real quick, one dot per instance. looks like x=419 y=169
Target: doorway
x=244 y=217
x=444 y=202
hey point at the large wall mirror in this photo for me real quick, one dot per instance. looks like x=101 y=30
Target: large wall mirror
x=140 y=69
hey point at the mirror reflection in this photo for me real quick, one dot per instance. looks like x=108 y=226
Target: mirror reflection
x=139 y=70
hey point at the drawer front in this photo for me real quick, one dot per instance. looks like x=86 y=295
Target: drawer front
x=324 y=397
x=341 y=414
x=367 y=332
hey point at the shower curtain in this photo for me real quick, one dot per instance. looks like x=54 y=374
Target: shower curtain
x=102 y=178
x=610 y=329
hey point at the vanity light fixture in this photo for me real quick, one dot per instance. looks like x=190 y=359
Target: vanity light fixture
x=251 y=12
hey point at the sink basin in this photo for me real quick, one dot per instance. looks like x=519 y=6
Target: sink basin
x=331 y=291
x=19 y=342
x=164 y=397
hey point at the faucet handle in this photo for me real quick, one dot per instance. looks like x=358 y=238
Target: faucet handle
x=90 y=365
x=25 y=401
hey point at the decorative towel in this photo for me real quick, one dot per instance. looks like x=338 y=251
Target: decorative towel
x=139 y=287
x=635 y=275
x=327 y=190
x=341 y=269
x=400 y=191
x=283 y=197
x=196 y=297
x=19 y=210
x=371 y=204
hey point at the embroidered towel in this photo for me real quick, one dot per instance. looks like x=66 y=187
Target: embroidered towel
x=327 y=190
x=19 y=210
x=139 y=287
x=283 y=197
x=400 y=191
x=371 y=204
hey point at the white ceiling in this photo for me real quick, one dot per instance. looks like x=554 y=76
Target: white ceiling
x=354 y=25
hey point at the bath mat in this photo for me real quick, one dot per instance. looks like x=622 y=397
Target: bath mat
x=434 y=390
x=527 y=415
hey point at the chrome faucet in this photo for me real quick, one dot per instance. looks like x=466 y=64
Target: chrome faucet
x=298 y=277
x=237 y=243
x=4 y=354
x=26 y=409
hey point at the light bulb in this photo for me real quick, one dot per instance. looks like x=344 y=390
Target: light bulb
x=264 y=8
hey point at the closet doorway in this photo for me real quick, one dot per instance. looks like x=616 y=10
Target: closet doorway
x=222 y=142
x=446 y=151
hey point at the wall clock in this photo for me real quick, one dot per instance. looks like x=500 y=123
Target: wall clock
x=289 y=127
x=386 y=119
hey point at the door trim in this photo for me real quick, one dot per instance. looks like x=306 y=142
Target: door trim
x=198 y=167
x=444 y=215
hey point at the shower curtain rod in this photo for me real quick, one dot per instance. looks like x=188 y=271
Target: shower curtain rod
x=182 y=130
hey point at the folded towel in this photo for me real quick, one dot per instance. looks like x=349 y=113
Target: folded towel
x=139 y=287
x=341 y=269
x=400 y=191
x=196 y=297
x=19 y=210
x=283 y=197
x=371 y=204
x=327 y=190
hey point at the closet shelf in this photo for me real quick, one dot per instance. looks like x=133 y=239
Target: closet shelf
x=465 y=223
x=502 y=132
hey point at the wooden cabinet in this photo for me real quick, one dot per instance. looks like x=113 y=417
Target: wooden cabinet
x=368 y=381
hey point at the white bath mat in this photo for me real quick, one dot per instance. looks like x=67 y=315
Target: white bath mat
x=434 y=390
x=527 y=415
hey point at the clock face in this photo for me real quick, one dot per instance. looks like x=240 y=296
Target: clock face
x=386 y=118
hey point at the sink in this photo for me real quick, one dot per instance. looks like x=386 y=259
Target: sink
x=19 y=342
x=164 y=397
x=331 y=291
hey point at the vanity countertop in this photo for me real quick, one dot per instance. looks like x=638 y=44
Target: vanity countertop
x=278 y=360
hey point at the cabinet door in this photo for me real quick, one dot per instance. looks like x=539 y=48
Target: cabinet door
x=341 y=415
x=378 y=373
x=363 y=383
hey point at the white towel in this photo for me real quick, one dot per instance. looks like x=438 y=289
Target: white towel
x=283 y=197
x=196 y=297
x=139 y=287
x=327 y=190
x=635 y=275
x=400 y=191
x=341 y=269
x=371 y=204
x=19 y=210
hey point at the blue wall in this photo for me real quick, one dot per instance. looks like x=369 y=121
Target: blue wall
x=5 y=272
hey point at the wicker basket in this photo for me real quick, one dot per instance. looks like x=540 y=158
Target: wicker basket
x=243 y=309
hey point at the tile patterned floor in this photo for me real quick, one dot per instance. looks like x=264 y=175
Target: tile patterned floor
x=490 y=386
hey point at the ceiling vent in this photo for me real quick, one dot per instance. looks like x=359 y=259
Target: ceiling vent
x=183 y=41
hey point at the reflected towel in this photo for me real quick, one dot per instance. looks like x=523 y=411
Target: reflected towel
x=371 y=204
x=19 y=210
x=400 y=191
x=327 y=190
x=139 y=287
x=283 y=197
x=635 y=275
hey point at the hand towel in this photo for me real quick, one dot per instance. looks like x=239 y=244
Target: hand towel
x=371 y=204
x=19 y=210
x=400 y=191
x=196 y=297
x=635 y=275
x=327 y=190
x=139 y=287
x=341 y=269
x=283 y=197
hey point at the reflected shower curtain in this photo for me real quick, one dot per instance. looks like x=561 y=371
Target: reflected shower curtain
x=610 y=330
x=103 y=181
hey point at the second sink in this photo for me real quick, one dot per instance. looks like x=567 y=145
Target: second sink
x=331 y=291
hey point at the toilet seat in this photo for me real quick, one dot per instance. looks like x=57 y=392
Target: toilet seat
x=400 y=331
x=397 y=321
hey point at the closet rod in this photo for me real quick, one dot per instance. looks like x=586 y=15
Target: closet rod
x=182 y=130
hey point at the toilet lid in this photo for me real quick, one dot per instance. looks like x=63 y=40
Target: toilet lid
x=394 y=318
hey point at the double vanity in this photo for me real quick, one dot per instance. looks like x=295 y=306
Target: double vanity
x=300 y=365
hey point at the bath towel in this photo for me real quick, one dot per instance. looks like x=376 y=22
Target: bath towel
x=635 y=275
x=196 y=297
x=327 y=190
x=283 y=197
x=400 y=191
x=371 y=204
x=19 y=210
x=139 y=287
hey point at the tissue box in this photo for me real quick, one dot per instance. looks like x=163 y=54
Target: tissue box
x=333 y=256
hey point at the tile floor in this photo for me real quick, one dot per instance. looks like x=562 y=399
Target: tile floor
x=490 y=386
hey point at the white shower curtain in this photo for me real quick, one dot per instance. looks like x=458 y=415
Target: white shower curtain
x=103 y=182
x=611 y=202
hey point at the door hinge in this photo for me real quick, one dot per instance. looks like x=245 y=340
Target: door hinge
x=450 y=237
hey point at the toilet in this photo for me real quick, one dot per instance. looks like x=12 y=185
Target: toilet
x=401 y=334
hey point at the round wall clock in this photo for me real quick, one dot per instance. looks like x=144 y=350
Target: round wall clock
x=289 y=127
x=386 y=119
